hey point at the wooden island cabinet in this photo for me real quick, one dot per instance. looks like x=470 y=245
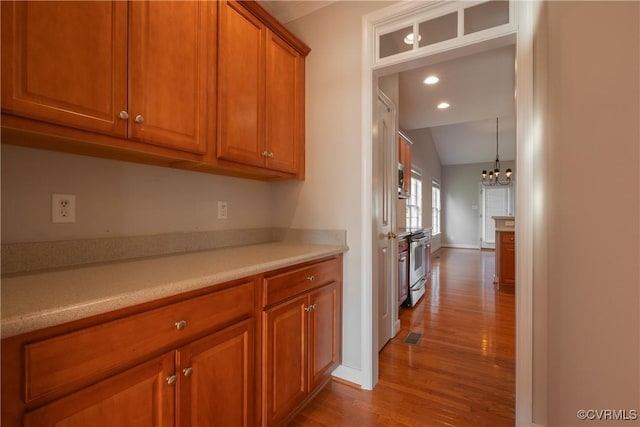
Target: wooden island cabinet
x=208 y=86
x=505 y=251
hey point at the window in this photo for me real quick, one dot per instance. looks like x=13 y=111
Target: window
x=435 y=207
x=496 y=201
x=414 y=203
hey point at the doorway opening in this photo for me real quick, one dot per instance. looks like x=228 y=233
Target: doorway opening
x=520 y=31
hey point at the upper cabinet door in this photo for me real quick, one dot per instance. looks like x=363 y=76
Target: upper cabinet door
x=240 y=85
x=65 y=63
x=285 y=106
x=171 y=45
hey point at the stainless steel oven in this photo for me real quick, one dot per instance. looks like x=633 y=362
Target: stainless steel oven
x=417 y=265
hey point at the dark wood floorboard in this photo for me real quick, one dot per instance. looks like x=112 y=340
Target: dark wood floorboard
x=462 y=371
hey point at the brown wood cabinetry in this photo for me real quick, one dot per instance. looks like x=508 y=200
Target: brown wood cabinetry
x=302 y=337
x=261 y=94
x=404 y=163
x=403 y=270
x=193 y=359
x=150 y=82
x=507 y=258
x=137 y=71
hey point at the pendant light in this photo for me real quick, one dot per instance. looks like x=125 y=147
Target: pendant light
x=493 y=178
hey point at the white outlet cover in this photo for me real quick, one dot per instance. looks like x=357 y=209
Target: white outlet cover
x=63 y=208
x=222 y=209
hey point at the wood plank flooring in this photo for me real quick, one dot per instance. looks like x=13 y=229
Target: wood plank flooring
x=462 y=371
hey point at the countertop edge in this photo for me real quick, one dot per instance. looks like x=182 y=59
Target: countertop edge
x=40 y=319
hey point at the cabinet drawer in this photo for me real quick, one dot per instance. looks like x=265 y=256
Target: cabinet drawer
x=83 y=356
x=293 y=282
x=508 y=237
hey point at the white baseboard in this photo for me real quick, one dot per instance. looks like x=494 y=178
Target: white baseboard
x=348 y=374
x=460 y=246
x=396 y=327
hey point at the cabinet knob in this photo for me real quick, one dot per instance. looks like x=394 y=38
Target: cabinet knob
x=139 y=119
x=265 y=154
x=311 y=278
x=123 y=115
x=181 y=324
x=171 y=379
x=391 y=235
x=270 y=155
x=187 y=371
x=308 y=308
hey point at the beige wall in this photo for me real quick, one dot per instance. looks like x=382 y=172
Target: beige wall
x=120 y=199
x=425 y=157
x=593 y=206
x=331 y=195
x=461 y=225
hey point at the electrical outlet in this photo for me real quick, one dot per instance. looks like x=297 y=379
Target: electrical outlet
x=63 y=208
x=222 y=210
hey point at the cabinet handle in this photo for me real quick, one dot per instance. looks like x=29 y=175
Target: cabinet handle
x=308 y=308
x=171 y=379
x=270 y=155
x=187 y=371
x=311 y=278
x=265 y=154
x=181 y=324
x=313 y=306
x=139 y=119
x=123 y=115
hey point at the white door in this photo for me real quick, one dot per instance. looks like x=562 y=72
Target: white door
x=495 y=201
x=384 y=244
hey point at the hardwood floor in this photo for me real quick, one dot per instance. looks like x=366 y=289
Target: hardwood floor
x=462 y=371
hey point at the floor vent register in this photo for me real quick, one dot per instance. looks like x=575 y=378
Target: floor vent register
x=412 y=338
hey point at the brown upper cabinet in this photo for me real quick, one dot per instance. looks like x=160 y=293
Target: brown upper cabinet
x=404 y=163
x=201 y=85
x=260 y=94
x=133 y=70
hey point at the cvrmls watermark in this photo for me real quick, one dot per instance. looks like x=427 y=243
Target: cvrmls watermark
x=608 y=414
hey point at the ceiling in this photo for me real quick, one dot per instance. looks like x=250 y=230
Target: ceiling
x=288 y=10
x=479 y=87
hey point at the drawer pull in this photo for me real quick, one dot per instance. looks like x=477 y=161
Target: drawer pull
x=187 y=371
x=181 y=324
x=171 y=379
x=311 y=278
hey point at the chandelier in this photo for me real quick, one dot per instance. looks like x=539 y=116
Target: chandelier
x=493 y=178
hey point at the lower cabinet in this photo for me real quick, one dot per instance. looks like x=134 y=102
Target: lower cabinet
x=507 y=263
x=139 y=396
x=206 y=383
x=403 y=270
x=302 y=338
x=217 y=379
x=189 y=361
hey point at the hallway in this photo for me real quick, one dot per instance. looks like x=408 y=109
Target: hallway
x=460 y=373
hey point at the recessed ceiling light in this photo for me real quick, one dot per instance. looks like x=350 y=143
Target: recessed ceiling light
x=409 y=38
x=443 y=105
x=431 y=80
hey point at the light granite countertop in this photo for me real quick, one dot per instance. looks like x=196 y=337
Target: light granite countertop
x=36 y=301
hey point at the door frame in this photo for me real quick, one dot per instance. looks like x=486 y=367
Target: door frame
x=526 y=14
